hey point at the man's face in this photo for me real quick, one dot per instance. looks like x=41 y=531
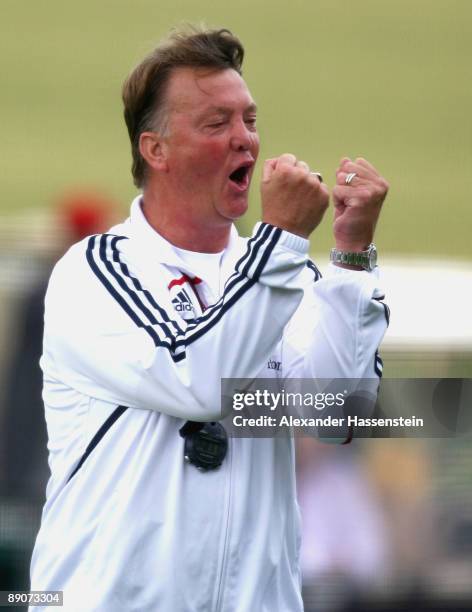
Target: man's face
x=212 y=142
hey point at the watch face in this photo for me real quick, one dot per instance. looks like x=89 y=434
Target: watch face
x=372 y=258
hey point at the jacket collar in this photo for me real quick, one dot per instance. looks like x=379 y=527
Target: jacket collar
x=158 y=249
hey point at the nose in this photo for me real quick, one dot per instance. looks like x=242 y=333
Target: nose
x=241 y=137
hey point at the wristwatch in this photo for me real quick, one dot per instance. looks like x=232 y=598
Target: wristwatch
x=366 y=259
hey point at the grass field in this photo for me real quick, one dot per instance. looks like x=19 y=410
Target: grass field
x=387 y=80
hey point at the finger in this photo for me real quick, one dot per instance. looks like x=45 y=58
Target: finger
x=344 y=164
x=268 y=168
x=302 y=164
x=346 y=195
x=350 y=179
x=324 y=189
x=317 y=175
x=362 y=171
x=338 y=200
x=286 y=159
x=361 y=161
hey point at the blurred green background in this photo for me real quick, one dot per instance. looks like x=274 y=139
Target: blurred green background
x=387 y=80
x=390 y=81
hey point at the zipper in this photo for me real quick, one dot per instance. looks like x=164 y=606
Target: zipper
x=229 y=458
x=224 y=560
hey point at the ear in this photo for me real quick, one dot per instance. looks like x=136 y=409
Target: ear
x=153 y=148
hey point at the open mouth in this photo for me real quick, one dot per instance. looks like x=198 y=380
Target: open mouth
x=240 y=176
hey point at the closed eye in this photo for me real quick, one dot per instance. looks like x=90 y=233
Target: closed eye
x=216 y=124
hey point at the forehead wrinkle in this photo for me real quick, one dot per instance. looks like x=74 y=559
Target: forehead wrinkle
x=180 y=96
x=180 y=101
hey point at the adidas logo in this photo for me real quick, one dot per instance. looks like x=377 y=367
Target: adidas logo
x=183 y=304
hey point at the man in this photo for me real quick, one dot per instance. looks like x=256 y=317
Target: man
x=142 y=324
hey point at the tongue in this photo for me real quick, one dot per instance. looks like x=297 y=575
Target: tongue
x=241 y=184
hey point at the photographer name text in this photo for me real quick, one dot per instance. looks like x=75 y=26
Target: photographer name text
x=351 y=421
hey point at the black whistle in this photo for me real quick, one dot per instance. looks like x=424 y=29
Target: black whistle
x=206 y=444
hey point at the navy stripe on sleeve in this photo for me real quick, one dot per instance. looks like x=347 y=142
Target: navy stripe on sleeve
x=265 y=257
x=114 y=416
x=239 y=276
x=385 y=307
x=133 y=294
x=139 y=304
x=229 y=298
x=378 y=364
x=314 y=269
x=262 y=235
x=116 y=295
x=137 y=285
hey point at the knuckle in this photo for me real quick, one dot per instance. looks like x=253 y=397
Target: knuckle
x=300 y=174
x=364 y=194
x=288 y=157
x=284 y=170
x=381 y=189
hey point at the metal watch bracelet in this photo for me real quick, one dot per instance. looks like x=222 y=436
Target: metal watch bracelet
x=365 y=259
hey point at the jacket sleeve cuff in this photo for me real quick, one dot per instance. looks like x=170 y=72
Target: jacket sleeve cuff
x=370 y=281
x=334 y=270
x=288 y=240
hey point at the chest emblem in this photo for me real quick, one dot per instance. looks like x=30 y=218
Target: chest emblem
x=184 y=297
x=183 y=304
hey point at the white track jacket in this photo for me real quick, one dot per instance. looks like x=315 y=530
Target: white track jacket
x=128 y=525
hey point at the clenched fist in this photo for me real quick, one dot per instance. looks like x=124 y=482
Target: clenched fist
x=357 y=204
x=292 y=197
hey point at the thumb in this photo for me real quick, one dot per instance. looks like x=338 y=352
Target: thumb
x=268 y=169
x=337 y=196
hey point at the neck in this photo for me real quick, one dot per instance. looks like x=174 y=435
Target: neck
x=182 y=226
